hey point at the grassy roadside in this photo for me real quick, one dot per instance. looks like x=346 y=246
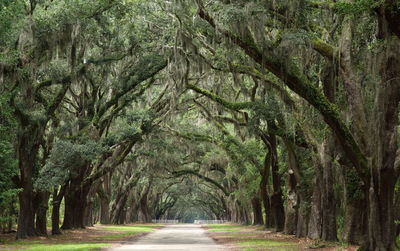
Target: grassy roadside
x=241 y=237
x=91 y=238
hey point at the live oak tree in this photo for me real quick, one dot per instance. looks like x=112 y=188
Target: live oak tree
x=280 y=113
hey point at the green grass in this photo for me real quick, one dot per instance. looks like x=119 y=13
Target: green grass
x=250 y=240
x=134 y=228
x=120 y=232
x=257 y=244
x=118 y=235
x=65 y=247
x=128 y=231
x=224 y=227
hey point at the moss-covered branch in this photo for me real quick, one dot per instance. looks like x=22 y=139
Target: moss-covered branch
x=145 y=69
x=298 y=139
x=205 y=178
x=288 y=72
x=236 y=106
x=193 y=136
x=325 y=49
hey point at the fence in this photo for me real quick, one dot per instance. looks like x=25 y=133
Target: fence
x=209 y=221
x=165 y=221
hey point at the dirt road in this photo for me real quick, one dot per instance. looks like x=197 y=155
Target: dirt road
x=174 y=237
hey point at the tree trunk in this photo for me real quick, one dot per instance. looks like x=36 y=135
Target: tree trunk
x=119 y=208
x=55 y=219
x=105 y=200
x=328 y=197
x=383 y=145
x=315 y=224
x=41 y=206
x=303 y=220
x=276 y=198
x=105 y=211
x=26 y=161
x=269 y=221
x=293 y=197
x=257 y=211
x=26 y=219
x=322 y=223
x=88 y=217
x=144 y=209
x=292 y=205
x=55 y=216
x=381 y=214
x=75 y=205
x=355 y=228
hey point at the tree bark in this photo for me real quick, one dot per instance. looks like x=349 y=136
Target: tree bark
x=105 y=200
x=383 y=145
x=315 y=224
x=118 y=208
x=55 y=216
x=75 y=204
x=328 y=197
x=26 y=219
x=28 y=146
x=41 y=206
x=144 y=208
x=292 y=205
x=257 y=211
x=88 y=217
x=276 y=198
x=269 y=221
x=294 y=196
x=322 y=223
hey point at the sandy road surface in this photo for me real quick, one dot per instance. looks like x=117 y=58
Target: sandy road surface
x=173 y=237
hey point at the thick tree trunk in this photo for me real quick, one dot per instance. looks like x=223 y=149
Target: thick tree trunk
x=322 y=223
x=88 y=217
x=55 y=216
x=292 y=205
x=315 y=223
x=276 y=199
x=257 y=211
x=105 y=201
x=26 y=161
x=55 y=219
x=88 y=214
x=328 y=197
x=302 y=221
x=269 y=221
x=355 y=230
x=293 y=196
x=144 y=209
x=381 y=214
x=383 y=145
x=105 y=211
x=75 y=205
x=119 y=208
x=41 y=205
x=355 y=225
x=26 y=218
x=246 y=219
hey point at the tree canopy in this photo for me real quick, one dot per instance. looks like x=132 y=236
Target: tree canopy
x=276 y=113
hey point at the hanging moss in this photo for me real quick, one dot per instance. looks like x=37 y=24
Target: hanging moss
x=356 y=7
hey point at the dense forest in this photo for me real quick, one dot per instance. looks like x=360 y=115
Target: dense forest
x=277 y=113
